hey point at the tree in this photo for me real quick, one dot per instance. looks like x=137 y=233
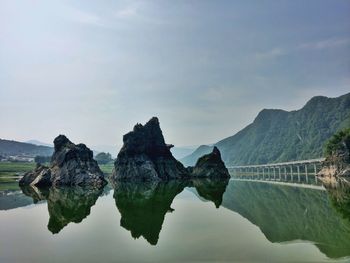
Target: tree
x=338 y=142
x=103 y=158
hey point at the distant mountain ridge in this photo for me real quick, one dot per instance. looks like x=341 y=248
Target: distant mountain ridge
x=277 y=135
x=39 y=143
x=8 y=148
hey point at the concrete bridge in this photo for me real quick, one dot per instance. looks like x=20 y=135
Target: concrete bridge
x=280 y=171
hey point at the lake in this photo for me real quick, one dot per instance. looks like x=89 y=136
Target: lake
x=227 y=221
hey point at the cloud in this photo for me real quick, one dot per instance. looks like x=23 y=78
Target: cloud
x=329 y=43
x=84 y=17
x=326 y=43
x=127 y=12
x=270 y=54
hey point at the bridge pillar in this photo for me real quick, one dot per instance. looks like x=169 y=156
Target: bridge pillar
x=285 y=173
x=263 y=172
x=315 y=172
x=306 y=175
x=315 y=169
x=298 y=169
x=291 y=172
x=274 y=173
x=279 y=172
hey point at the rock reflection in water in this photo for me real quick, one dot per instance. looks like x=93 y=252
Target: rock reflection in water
x=143 y=206
x=65 y=204
x=211 y=189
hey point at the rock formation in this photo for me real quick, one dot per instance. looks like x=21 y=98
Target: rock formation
x=210 y=165
x=70 y=165
x=145 y=156
x=336 y=166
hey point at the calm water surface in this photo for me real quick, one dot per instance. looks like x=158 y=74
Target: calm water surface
x=235 y=221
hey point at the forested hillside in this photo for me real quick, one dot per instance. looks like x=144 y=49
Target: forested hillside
x=278 y=135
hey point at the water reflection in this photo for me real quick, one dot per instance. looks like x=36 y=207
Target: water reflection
x=340 y=198
x=65 y=204
x=11 y=199
x=143 y=206
x=285 y=213
x=211 y=189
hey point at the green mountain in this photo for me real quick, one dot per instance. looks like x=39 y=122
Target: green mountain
x=278 y=135
x=8 y=147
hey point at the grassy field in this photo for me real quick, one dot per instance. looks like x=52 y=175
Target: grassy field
x=14 y=167
x=10 y=172
x=106 y=168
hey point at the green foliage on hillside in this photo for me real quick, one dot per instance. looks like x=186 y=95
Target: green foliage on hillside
x=338 y=142
x=278 y=136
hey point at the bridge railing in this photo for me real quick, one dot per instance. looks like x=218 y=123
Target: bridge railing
x=296 y=171
x=300 y=162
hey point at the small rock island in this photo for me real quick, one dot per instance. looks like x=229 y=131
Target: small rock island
x=210 y=165
x=71 y=164
x=145 y=156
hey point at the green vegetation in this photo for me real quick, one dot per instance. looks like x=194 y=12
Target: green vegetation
x=106 y=168
x=103 y=158
x=277 y=135
x=16 y=167
x=9 y=174
x=336 y=142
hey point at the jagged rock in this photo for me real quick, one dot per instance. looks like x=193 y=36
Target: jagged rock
x=70 y=165
x=210 y=165
x=41 y=175
x=145 y=156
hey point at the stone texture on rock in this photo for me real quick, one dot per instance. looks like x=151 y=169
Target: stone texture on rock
x=70 y=165
x=210 y=165
x=145 y=156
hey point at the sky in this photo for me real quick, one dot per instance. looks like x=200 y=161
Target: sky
x=93 y=69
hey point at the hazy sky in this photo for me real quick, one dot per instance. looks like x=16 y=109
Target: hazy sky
x=92 y=69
